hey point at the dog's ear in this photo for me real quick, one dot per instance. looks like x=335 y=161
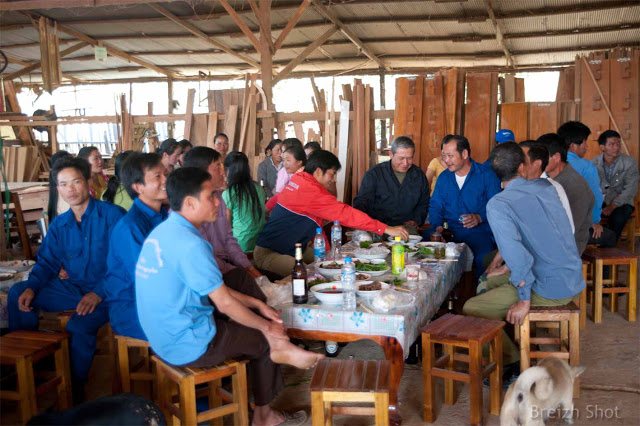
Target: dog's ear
x=576 y=371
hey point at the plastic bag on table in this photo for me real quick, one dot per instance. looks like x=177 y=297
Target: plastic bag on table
x=390 y=299
x=360 y=236
x=277 y=294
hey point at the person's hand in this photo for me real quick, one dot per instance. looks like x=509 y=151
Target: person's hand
x=439 y=229
x=518 y=311
x=63 y=274
x=24 y=301
x=269 y=313
x=497 y=262
x=608 y=209
x=88 y=304
x=471 y=220
x=597 y=230
x=397 y=231
x=411 y=223
x=253 y=272
x=277 y=330
x=500 y=270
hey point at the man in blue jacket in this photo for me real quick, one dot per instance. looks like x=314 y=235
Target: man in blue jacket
x=395 y=192
x=78 y=241
x=460 y=197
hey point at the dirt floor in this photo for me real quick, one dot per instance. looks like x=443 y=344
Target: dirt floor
x=610 y=351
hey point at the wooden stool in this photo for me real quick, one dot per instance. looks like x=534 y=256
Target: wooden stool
x=568 y=317
x=600 y=257
x=350 y=380
x=21 y=349
x=141 y=371
x=457 y=331
x=186 y=379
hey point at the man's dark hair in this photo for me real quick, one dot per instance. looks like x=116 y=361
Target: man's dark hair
x=200 y=157
x=505 y=160
x=538 y=151
x=602 y=139
x=185 y=144
x=221 y=135
x=134 y=168
x=52 y=206
x=291 y=142
x=461 y=143
x=573 y=132
x=323 y=160
x=527 y=143
x=80 y=164
x=313 y=146
x=554 y=144
x=185 y=182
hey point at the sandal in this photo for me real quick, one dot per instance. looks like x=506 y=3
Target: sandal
x=295 y=419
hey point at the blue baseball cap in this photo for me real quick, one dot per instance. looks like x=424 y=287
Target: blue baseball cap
x=505 y=135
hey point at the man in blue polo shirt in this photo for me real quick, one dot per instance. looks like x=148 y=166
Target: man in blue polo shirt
x=534 y=236
x=575 y=135
x=177 y=278
x=78 y=241
x=144 y=178
x=461 y=196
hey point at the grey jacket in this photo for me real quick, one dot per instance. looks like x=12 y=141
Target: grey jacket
x=624 y=181
x=268 y=173
x=581 y=200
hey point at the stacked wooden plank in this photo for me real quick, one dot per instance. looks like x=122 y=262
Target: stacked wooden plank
x=530 y=120
x=49 y=53
x=480 y=113
x=363 y=141
x=22 y=163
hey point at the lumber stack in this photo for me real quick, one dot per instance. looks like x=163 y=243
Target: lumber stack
x=49 y=53
x=530 y=120
x=22 y=163
x=363 y=142
x=480 y=113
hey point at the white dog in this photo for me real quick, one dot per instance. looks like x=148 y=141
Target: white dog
x=538 y=392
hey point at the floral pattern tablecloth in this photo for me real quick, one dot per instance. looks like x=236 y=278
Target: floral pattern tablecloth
x=402 y=324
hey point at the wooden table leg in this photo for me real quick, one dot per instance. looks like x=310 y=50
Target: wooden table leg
x=428 y=384
x=633 y=290
x=495 y=354
x=317 y=409
x=597 y=291
x=394 y=353
x=475 y=382
x=449 y=391
x=382 y=412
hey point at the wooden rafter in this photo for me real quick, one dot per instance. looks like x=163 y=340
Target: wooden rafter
x=265 y=30
x=13 y=60
x=17 y=5
x=201 y=35
x=36 y=65
x=292 y=23
x=348 y=33
x=306 y=52
x=499 y=34
x=240 y=23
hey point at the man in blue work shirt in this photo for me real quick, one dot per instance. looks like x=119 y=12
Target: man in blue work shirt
x=177 y=278
x=395 y=192
x=575 y=135
x=461 y=196
x=144 y=178
x=534 y=236
x=78 y=241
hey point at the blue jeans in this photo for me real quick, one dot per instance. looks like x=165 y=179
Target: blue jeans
x=59 y=295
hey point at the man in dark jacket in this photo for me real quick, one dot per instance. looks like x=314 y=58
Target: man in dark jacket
x=395 y=192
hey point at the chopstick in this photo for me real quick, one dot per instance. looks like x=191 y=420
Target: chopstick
x=403 y=289
x=366 y=309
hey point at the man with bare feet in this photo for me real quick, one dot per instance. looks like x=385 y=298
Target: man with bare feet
x=177 y=278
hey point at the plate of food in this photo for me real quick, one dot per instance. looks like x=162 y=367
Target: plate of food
x=17 y=265
x=328 y=293
x=372 y=267
x=318 y=280
x=359 y=277
x=330 y=267
x=372 y=253
x=413 y=239
x=369 y=289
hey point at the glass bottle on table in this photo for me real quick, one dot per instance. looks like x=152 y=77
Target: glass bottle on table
x=299 y=289
x=447 y=235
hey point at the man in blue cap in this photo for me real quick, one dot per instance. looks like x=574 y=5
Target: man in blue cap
x=502 y=136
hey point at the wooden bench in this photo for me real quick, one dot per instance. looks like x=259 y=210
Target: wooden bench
x=568 y=317
x=601 y=257
x=186 y=379
x=139 y=372
x=22 y=349
x=351 y=381
x=458 y=331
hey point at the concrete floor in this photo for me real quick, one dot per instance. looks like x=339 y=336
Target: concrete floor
x=610 y=351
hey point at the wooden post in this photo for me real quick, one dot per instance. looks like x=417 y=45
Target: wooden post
x=383 y=122
x=188 y=118
x=170 y=125
x=266 y=59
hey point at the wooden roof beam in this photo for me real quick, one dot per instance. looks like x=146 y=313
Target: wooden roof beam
x=201 y=35
x=306 y=52
x=499 y=35
x=36 y=65
x=13 y=60
x=240 y=23
x=348 y=33
x=292 y=23
x=24 y=5
x=265 y=28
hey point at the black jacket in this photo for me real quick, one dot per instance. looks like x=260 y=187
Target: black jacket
x=382 y=197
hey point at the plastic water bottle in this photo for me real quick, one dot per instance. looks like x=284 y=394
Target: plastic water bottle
x=348 y=279
x=319 y=252
x=336 y=240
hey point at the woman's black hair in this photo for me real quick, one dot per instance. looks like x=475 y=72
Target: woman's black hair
x=240 y=184
x=168 y=146
x=291 y=142
x=272 y=145
x=185 y=144
x=52 y=207
x=114 y=183
x=85 y=152
x=298 y=153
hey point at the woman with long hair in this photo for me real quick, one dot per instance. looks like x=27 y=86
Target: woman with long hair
x=186 y=146
x=294 y=159
x=170 y=151
x=245 y=201
x=98 y=181
x=56 y=204
x=269 y=168
x=116 y=193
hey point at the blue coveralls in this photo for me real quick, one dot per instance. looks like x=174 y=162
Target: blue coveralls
x=81 y=248
x=126 y=242
x=450 y=202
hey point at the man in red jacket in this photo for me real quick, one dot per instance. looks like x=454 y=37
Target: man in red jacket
x=301 y=208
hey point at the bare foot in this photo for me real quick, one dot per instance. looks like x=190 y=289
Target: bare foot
x=266 y=416
x=284 y=352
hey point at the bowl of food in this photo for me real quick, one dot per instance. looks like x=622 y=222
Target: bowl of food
x=17 y=265
x=413 y=239
x=330 y=267
x=372 y=267
x=369 y=289
x=328 y=293
x=7 y=275
x=372 y=253
x=317 y=280
x=359 y=277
